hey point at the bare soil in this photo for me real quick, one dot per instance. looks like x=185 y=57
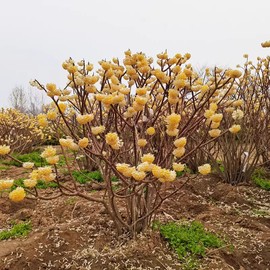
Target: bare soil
x=71 y=233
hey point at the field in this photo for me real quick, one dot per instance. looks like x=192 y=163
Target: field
x=71 y=233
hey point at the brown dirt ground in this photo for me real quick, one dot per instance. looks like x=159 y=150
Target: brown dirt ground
x=76 y=234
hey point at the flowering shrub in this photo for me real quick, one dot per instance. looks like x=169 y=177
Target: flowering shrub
x=19 y=131
x=134 y=121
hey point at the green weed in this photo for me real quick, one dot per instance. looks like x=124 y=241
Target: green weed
x=17 y=230
x=189 y=240
x=261 y=178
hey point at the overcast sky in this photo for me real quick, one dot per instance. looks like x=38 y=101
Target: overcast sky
x=38 y=35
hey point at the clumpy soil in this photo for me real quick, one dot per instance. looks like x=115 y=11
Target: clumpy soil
x=71 y=233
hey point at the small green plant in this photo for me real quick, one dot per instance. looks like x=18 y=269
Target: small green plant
x=3 y=168
x=261 y=178
x=18 y=230
x=84 y=176
x=189 y=240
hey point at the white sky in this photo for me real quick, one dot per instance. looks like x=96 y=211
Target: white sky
x=38 y=35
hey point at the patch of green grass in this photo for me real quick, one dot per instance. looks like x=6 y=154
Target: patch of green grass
x=85 y=176
x=30 y=157
x=40 y=184
x=261 y=178
x=189 y=240
x=17 y=230
x=3 y=168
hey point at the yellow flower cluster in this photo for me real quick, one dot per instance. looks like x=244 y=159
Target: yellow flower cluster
x=204 y=169
x=113 y=140
x=150 y=131
x=180 y=144
x=179 y=167
x=52 y=90
x=266 y=44
x=234 y=73
x=235 y=129
x=28 y=165
x=42 y=120
x=148 y=158
x=84 y=142
x=43 y=173
x=173 y=97
x=84 y=119
x=69 y=143
x=6 y=184
x=163 y=175
x=238 y=114
x=48 y=152
x=50 y=155
x=97 y=130
x=4 y=150
x=142 y=142
x=173 y=121
x=17 y=194
x=51 y=115
x=125 y=169
x=30 y=183
x=213 y=118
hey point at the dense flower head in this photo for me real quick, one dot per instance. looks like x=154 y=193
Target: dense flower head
x=83 y=143
x=204 y=169
x=97 y=130
x=235 y=129
x=173 y=120
x=163 y=175
x=52 y=160
x=148 y=158
x=181 y=142
x=214 y=132
x=172 y=132
x=145 y=167
x=142 y=142
x=6 y=184
x=62 y=107
x=111 y=138
x=265 y=44
x=179 y=167
x=150 y=131
x=28 y=165
x=217 y=117
x=30 y=183
x=238 y=114
x=125 y=169
x=179 y=152
x=4 y=150
x=42 y=120
x=208 y=113
x=17 y=194
x=51 y=115
x=138 y=175
x=84 y=119
x=48 y=152
x=234 y=73
x=66 y=142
